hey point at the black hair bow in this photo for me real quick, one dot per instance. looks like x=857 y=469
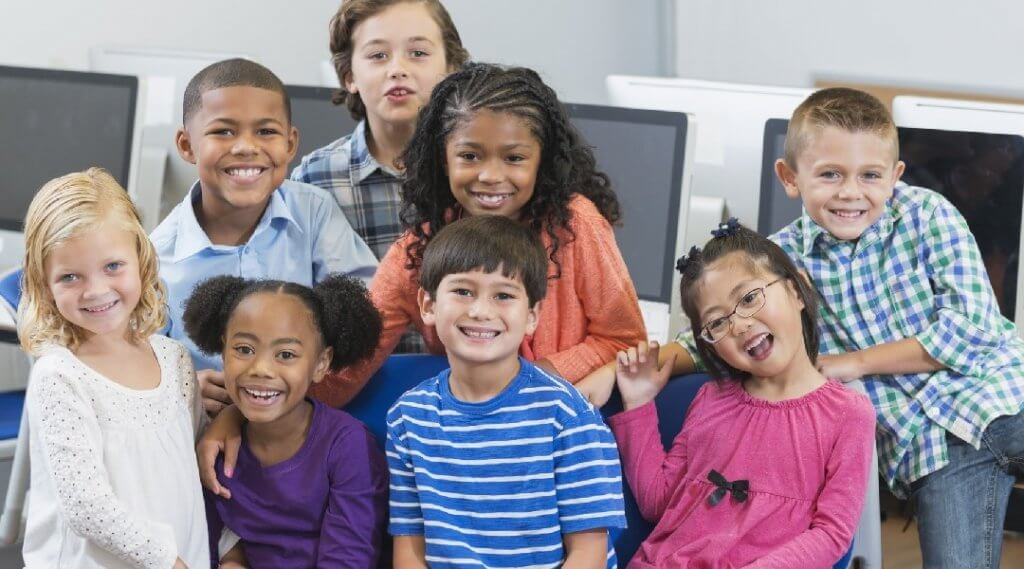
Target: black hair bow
x=685 y=260
x=738 y=488
x=727 y=228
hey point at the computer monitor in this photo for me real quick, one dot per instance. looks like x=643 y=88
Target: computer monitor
x=775 y=208
x=319 y=121
x=952 y=114
x=167 y=72
x=646 y=155
x=55 y=122
x=728 y=118
x=980 y=173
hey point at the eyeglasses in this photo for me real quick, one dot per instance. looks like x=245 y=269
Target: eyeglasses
x=749 y=305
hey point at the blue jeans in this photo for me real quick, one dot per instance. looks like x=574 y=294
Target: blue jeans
x=961 y=507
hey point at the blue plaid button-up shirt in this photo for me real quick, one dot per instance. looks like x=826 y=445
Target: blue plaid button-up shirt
x=916 y=273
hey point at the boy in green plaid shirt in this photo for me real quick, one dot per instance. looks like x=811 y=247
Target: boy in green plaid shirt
x=906 y=305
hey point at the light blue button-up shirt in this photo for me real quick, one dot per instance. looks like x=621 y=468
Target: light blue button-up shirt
x=302 y=237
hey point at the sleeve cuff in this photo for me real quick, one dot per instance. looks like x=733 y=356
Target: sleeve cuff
x=643 y=413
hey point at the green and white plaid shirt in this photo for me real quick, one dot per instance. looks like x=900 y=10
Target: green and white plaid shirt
x=915 y=273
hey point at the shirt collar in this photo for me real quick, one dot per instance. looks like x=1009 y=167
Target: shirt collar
x=811 y=232
x=361 y=163
x=191 y=237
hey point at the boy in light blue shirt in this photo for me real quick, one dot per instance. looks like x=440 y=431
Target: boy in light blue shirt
x=242 y=217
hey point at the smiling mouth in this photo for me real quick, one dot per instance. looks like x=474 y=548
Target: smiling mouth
x=479 y=333
x=490 y=200
x=261 y=396
x=760 y=347
x=101 y=308
x=848 y=213
x=245 y=173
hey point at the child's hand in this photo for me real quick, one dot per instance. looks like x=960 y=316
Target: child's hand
x=211 y=385
x=844 y=367
x=597 y=387
x=638 y=376
x=223 y=435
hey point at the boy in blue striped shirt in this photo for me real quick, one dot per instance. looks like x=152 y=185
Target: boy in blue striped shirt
x=495 y=462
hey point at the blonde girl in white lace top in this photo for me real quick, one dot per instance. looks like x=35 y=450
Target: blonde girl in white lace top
x=112 y=407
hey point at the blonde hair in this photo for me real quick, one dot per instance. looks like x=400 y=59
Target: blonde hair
x=843 y=108
x=63 y=209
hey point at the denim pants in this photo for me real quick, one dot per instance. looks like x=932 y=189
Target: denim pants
x=961 y=507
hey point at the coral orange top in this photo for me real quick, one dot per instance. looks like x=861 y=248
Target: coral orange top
x=590 y=312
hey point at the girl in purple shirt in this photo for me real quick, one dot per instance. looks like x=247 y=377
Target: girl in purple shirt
x=771 y=466
x=310 y=488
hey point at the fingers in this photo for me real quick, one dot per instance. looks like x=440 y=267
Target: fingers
x=231 y=447
x=666 y=370
x=207 y=452
x=641 y=352
x=215 y=397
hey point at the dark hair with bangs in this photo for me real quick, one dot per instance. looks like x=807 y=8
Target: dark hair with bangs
x=235 y=72
x=567 y=165
x=762 y=255
x=487 y=242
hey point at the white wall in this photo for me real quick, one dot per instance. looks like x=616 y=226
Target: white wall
x=573 y=43
x=961 y=46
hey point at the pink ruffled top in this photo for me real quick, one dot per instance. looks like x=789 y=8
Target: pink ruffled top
x=806 y=461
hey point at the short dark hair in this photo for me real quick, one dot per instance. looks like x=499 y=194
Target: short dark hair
x=236 y=72
x=340 y=308
x=351 y=13
x=486 y=242
x=763 y=255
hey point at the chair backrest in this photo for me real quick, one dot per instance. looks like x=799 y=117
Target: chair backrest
x=10 y=287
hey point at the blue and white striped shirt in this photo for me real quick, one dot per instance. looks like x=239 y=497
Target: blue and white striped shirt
x=497 y=483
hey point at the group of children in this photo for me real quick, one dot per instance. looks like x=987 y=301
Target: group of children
x=493 y=228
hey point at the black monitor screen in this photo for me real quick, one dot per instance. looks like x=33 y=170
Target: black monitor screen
x=56 y=122
x=642 y=153
x=982 y=174
x=319 y=121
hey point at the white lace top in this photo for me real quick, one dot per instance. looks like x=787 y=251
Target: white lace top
x=114 y=476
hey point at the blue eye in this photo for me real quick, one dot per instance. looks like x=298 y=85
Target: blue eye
x=114 y=266
x=70 y=277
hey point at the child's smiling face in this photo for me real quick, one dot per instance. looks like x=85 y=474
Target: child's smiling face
x=492 y=161
x=273 y=352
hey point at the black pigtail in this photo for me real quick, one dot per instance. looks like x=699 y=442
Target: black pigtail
x=207 y=310
x=350 y=322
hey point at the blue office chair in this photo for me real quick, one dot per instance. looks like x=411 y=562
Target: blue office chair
x=403 y=372
x=13 y=421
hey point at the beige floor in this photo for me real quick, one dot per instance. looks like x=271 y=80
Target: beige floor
x=901 y=550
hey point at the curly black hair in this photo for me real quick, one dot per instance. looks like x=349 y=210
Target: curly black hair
x=340 y=307
x=567 y=164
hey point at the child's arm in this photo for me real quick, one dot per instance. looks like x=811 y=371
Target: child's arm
x=839 y=505
x=588 y=480
x=337 y=248
x=900 y=357
x=607 y=295
x=62 y=422
x=597 y=387
x=406 y=522
x=393 y=292
x=651 y=472
x=410 y=552
x=234 y=559
x=353 y=523
x=224 y=434
x=586 y=549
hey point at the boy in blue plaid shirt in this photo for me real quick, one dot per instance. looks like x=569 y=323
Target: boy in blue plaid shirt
x=906 y=305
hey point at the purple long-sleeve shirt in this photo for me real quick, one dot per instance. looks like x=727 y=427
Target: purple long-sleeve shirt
x=326 y=506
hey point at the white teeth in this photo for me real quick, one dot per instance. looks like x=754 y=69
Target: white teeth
x=492 y=199
x=244 y=172
x=261 y=394
x=399 y=92
x=101 y=307
x=753 y=342
x=483 y=334
x=846 y=213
